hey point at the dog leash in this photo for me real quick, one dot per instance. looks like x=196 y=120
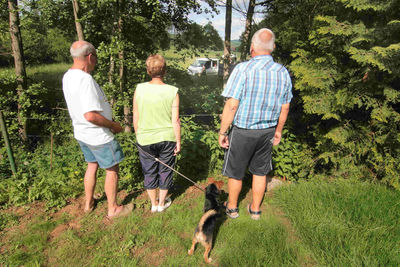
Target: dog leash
x=169 y=167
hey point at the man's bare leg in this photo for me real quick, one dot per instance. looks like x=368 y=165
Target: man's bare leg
x=258 y=188
x=234 y=188
x=110 y=186
x=90 y=184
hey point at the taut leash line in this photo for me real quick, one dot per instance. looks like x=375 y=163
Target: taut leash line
x=169 y=167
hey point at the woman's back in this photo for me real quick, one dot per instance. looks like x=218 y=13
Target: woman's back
x=154 y=103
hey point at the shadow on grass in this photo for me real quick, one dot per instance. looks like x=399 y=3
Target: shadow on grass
x=133 y=195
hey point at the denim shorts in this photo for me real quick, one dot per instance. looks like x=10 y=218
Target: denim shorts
x=106 y=155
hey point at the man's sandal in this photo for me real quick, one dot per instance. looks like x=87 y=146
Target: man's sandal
x=255 y=215
x=230 y=211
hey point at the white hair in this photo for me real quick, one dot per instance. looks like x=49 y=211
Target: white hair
x=82 y=50
x=260 y=44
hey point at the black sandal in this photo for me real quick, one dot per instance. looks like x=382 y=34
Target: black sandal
x=230 y=211
x=255 y=215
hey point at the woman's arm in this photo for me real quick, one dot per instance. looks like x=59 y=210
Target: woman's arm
x=135 y=114
x=176 y=124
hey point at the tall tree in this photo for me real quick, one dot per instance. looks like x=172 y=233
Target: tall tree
x=18 y=53
x=78 y=25
x=246 y=34
x=212 y=38
x=227 y=43
x=122 y=70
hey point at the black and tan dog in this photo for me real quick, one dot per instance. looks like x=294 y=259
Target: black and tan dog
x=205 y=229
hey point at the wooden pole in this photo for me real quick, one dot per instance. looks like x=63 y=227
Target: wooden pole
x=227 y=43
x=7 y=143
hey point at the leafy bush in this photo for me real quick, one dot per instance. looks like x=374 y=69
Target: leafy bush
x=291 y=160
x=131 y=176
x=39 y=178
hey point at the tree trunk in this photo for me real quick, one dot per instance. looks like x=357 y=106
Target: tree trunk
x=110 y=76
x=19 y=61
x=122 y=75
x=246 y=35
x=227 y=43
x=78 y=25
x=122 y=84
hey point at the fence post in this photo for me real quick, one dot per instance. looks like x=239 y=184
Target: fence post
x=7 y=143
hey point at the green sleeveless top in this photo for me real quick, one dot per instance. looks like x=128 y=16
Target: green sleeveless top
x=155 y=113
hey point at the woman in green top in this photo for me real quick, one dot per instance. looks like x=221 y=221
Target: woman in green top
x=158 y=131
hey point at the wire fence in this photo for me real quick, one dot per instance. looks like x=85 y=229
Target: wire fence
x=51 y=143
x=40 y=129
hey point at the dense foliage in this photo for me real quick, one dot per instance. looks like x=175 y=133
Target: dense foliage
x=345 y=60
x=201 y=37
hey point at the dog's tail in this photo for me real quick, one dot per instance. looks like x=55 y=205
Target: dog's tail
x=205 y=216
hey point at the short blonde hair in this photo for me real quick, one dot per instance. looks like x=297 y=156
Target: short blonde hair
x=156 y=66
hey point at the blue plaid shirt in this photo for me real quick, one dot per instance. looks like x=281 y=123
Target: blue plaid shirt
x=261 y=86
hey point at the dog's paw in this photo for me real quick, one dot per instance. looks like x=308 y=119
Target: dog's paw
x=190 y=252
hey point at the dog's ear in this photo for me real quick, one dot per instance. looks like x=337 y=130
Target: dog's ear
x=219 y=184
x=211 y=180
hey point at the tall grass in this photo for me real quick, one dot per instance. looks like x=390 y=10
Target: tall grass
x=345 y=223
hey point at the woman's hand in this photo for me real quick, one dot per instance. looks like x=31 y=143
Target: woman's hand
x=177 y=149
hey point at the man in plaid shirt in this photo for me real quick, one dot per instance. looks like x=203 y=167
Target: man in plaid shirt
x=258 y=95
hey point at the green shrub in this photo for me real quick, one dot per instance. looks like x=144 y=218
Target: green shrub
x=131 y=176
x=291 y=160
x=40 y=178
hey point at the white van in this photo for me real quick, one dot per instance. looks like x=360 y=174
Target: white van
x=207 y=66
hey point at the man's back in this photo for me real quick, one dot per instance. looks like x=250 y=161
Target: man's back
x=83 y=95
x=261 y=86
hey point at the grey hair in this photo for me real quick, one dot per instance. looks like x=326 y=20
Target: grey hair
x=82 y=50
x=261 y=44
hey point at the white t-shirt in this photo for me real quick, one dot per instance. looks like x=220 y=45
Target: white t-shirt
x=82 y=95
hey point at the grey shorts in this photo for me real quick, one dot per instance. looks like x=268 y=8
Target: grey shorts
x=156 y=175
x=248 y=149
x=106 y=155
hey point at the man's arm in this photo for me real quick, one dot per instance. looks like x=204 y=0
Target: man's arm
x=176 y=124
x=228 y=114
x=281 y=123
x=99 y=120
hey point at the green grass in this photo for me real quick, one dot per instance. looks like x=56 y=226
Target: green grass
x=340 y=223
x=51 y=74
x=345 y=223
x=145 y=239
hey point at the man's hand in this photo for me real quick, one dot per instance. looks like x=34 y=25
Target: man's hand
x=277 y=138
x=177 y=148
x=116 y=128
x=223 y=141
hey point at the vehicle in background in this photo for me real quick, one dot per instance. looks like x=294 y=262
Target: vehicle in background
x=207 y=66
x=210 y=66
